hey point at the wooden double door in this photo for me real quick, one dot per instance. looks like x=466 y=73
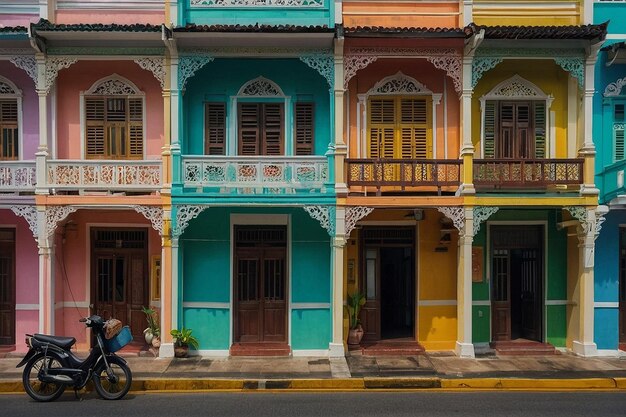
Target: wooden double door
x=119 y=276
x=7 y=286
x=388 y=281
x=260 y=284
x=517 y=282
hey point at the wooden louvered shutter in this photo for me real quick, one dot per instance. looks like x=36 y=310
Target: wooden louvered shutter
x=489 y=144
x=618 y=130
x=304 y=128
x=249 y=130
x=524 y=142
x=94 y=129
x=273 y=129
x=414 y=132
x=540 y=129
x=215 y=129
x=8 y=129
x=382 y=128
x=135 y=128
x=506 y=124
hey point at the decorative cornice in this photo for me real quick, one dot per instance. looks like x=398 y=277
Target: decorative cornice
x=156 y=65
x=29 y=213
x=154 y=214
x=353 y=215
x=399 y=84
x=548 y=53
x=323 y=214
x=122 y=51
x=56 y=214
x=261 y=87
x=114 y=85
x=516 y=87
x=184 y=214
x=189 y=65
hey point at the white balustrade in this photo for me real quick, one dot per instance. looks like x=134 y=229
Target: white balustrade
x=17 y=176
x=257 y=174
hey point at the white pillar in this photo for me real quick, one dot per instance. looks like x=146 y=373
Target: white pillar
x=464 y=345
x=467 y=148
x=588 y=149
x=167 y=346
x=42 y=150
x=46 y=288
x=341 y=148
x=338 y=242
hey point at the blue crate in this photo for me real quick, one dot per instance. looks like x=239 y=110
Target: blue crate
x=120 y=340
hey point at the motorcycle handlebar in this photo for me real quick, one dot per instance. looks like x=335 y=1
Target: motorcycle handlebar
x=83 y=320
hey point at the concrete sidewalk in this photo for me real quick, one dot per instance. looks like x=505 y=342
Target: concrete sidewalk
x=434 y=370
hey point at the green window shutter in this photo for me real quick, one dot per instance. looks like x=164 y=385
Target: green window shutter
x=540 y=129
x=618 y=130
x=490 y=129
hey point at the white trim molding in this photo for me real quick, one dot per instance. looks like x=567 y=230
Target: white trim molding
x=606 y=304
x=8 y=91
x=207 y=305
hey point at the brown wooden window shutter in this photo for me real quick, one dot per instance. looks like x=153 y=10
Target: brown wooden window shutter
x=249 y=129
x=618 y=130
x=273 y=119
x=8 y=129
x=261 y=128
x=215 y=129
x=304 y=132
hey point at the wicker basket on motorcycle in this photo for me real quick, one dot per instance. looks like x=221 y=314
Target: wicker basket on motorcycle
x=120 y=340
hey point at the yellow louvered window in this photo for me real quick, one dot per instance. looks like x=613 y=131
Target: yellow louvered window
x=8 y=129
x=114 y=128
x=400 y=128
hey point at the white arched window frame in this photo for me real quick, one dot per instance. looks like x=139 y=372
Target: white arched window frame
x=517 y=88
x=614 y=105
x=9 y=91
x=398 y=84
x=265 y=90
x=111 y=86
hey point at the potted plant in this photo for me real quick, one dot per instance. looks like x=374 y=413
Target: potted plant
x=182 y=340
x=152 y=333
x=355 y=302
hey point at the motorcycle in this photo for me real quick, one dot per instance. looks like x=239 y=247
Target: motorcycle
x=51 y=366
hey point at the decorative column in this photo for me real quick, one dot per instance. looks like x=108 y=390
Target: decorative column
x=173 y=118
x=338 y=243
x=588 y=150
x=467 y=148
x=46 y=300
x=167 y=271
x=341 y=148
x=42 y=150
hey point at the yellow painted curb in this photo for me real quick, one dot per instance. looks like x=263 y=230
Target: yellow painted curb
x=488 y=383
x=620 y=383
x=338 y=384
x=398 y=383
x=529 y=383
x=8 y=387
x=189 y=384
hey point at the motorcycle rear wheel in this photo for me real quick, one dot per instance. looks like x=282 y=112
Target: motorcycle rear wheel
x=116 y=388
x=38 y=390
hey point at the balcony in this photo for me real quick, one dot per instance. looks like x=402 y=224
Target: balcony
x=257 y=174
x=104 y=175
x=528 y=174
x=418 y=175
x=17 y=177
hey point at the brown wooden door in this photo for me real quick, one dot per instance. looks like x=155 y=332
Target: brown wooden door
x=370 y=313
x=622 y=285
x=260 y=284
x=516 y=138
x=120 y=281
x=501 y=295
x=7 y=287
x=530 y=293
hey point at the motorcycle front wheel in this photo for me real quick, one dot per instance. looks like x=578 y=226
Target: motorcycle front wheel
x=116 y=386
x=38 y=390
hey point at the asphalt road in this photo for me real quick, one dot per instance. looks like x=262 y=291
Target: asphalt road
x=422 y=403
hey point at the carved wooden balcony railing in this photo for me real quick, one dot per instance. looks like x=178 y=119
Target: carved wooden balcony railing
x=404 y=173
x=257 y=174
x=527 y=173
x=17 y=176
x=108 y=175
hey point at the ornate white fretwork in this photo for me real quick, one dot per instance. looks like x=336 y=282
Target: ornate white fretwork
x=325 y=215
x=8 y=88
x=575 y=66
x=29 y=213
x=580 y=214
x=480 y=65
x=257 y=3
x=399 y=84
x=184 y=214
x=261 y=87
x=482 y=213
x=353 y=215
x=615 y=88
x=113 y=85
x=448 y=60
x=28 y=63
x=156 y=65
x=456 y=214
x=53 y=66
x=189 y=65
x=322 y=62
x=56 y=214
x=599 y=220
x=154 y=214
x=515 y=87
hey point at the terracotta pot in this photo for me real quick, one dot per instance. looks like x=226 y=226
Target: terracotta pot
x=181 y=351
x=355 y=336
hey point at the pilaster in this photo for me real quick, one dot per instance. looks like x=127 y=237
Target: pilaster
x=338 y=243
x=467 y=148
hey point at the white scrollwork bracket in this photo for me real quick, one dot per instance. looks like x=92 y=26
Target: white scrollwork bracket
x=353 y=63
x=189 y=65
x=156 y=65
x=580 y=214
x=481 y=214
x=480 y=65
x=452 y=65
x=29 y=213
x=53 y=66
x=575 y=66
x=28 y=63
x=324 y=63
x=54 y=215
x=456 y=214
x=353 y=215
x=154 y=214
x=323 y=214
x=184 y=214
x=601 y=211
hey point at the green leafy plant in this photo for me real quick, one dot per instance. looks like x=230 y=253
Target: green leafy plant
x=183 y=337
x=355 y=302
x=153 y=321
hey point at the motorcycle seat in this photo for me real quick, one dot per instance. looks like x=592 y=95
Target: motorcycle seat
x=60 y=341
